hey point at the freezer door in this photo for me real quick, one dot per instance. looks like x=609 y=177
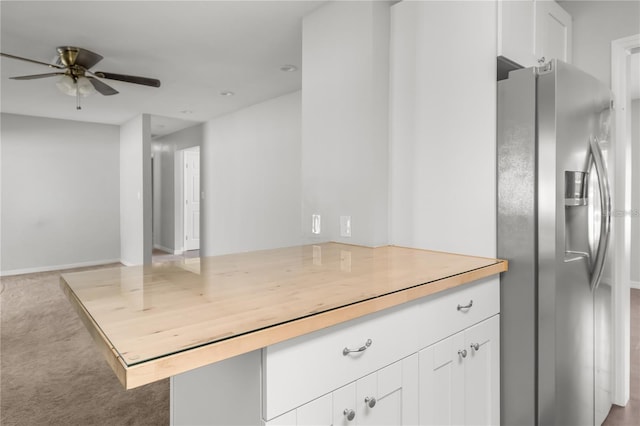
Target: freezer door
x=570 y=109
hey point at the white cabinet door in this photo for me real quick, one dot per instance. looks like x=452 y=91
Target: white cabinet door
x=442 y=382
x=516 y=32
x=482 y=373
x=387 y=397
x=344 y=405
x=314 y=413
x=552 y=32
x=533 y=30
x=379 y=397
x=459 y=384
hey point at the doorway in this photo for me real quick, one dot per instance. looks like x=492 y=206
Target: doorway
x=191 y=198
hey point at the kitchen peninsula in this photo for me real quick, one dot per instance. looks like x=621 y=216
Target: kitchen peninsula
x=289 y=315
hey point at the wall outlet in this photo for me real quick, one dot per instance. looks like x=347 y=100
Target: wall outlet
x=315 y=224
x=345 y=226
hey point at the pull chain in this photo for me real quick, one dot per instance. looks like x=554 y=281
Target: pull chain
x=77 y=96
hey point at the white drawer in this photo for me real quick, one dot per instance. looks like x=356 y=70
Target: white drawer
x=439 y=316
x=301 y=369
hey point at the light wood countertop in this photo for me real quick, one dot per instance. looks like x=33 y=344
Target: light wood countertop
x=156 y=321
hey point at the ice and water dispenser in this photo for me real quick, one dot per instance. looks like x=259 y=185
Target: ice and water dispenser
x=576 y=215
x=576 y=186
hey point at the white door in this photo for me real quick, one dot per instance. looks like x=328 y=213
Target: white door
x=482 y=373
x=191 y=164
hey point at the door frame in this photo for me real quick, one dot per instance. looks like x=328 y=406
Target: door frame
x=620 y=50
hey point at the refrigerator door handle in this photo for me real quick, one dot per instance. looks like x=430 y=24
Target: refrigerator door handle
x=605 y=222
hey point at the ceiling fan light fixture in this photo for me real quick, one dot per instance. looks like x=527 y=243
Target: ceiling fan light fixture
x=66 y=85
x=85 y=87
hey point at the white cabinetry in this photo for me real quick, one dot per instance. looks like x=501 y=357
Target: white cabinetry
x=385 y=397
x=410 y=372
x=552 y=32
x=459 y=378
x=533 y=30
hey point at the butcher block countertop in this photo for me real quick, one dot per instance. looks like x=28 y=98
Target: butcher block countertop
x=153 y=322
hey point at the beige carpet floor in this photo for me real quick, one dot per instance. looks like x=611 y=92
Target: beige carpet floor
x=50 y=370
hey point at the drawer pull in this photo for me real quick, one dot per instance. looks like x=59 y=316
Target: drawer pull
x=462 y=353
x=467 y=306
x=475 y=346
x=370 y=401
x=349 y=414
x=347 y=351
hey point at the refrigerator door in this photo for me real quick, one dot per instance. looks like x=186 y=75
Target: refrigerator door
x=600 y=217
x=570 y=103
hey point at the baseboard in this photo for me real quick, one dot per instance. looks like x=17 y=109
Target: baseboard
x=57 y=267
x=167 y=249
x=635 y=284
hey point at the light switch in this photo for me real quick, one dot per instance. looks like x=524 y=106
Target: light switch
x=345 y=226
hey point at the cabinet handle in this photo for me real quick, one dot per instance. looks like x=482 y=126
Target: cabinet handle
x=475 y=346
x=467 y=306
x=370 y=401
x=349 y=414
x=347 y=351
x=462 y=353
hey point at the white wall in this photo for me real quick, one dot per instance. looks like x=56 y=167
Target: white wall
x=60 y=194
x=443 y=126
x=135 y=191
x=250 y=177
x=345 y=120
x=635 y=193
x=595 y=25
x=165 y=150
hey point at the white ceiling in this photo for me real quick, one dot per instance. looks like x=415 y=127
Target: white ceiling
x=195 y=48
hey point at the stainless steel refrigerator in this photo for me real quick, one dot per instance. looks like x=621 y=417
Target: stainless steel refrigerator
x=553 y=226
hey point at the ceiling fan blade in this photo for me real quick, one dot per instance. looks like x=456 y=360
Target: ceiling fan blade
x=69 y=55
x=129 y=78
x=6 y=55
x=103 y=88
x=35 y=76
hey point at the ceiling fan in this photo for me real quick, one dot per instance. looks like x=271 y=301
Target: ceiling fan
x=73 y=65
